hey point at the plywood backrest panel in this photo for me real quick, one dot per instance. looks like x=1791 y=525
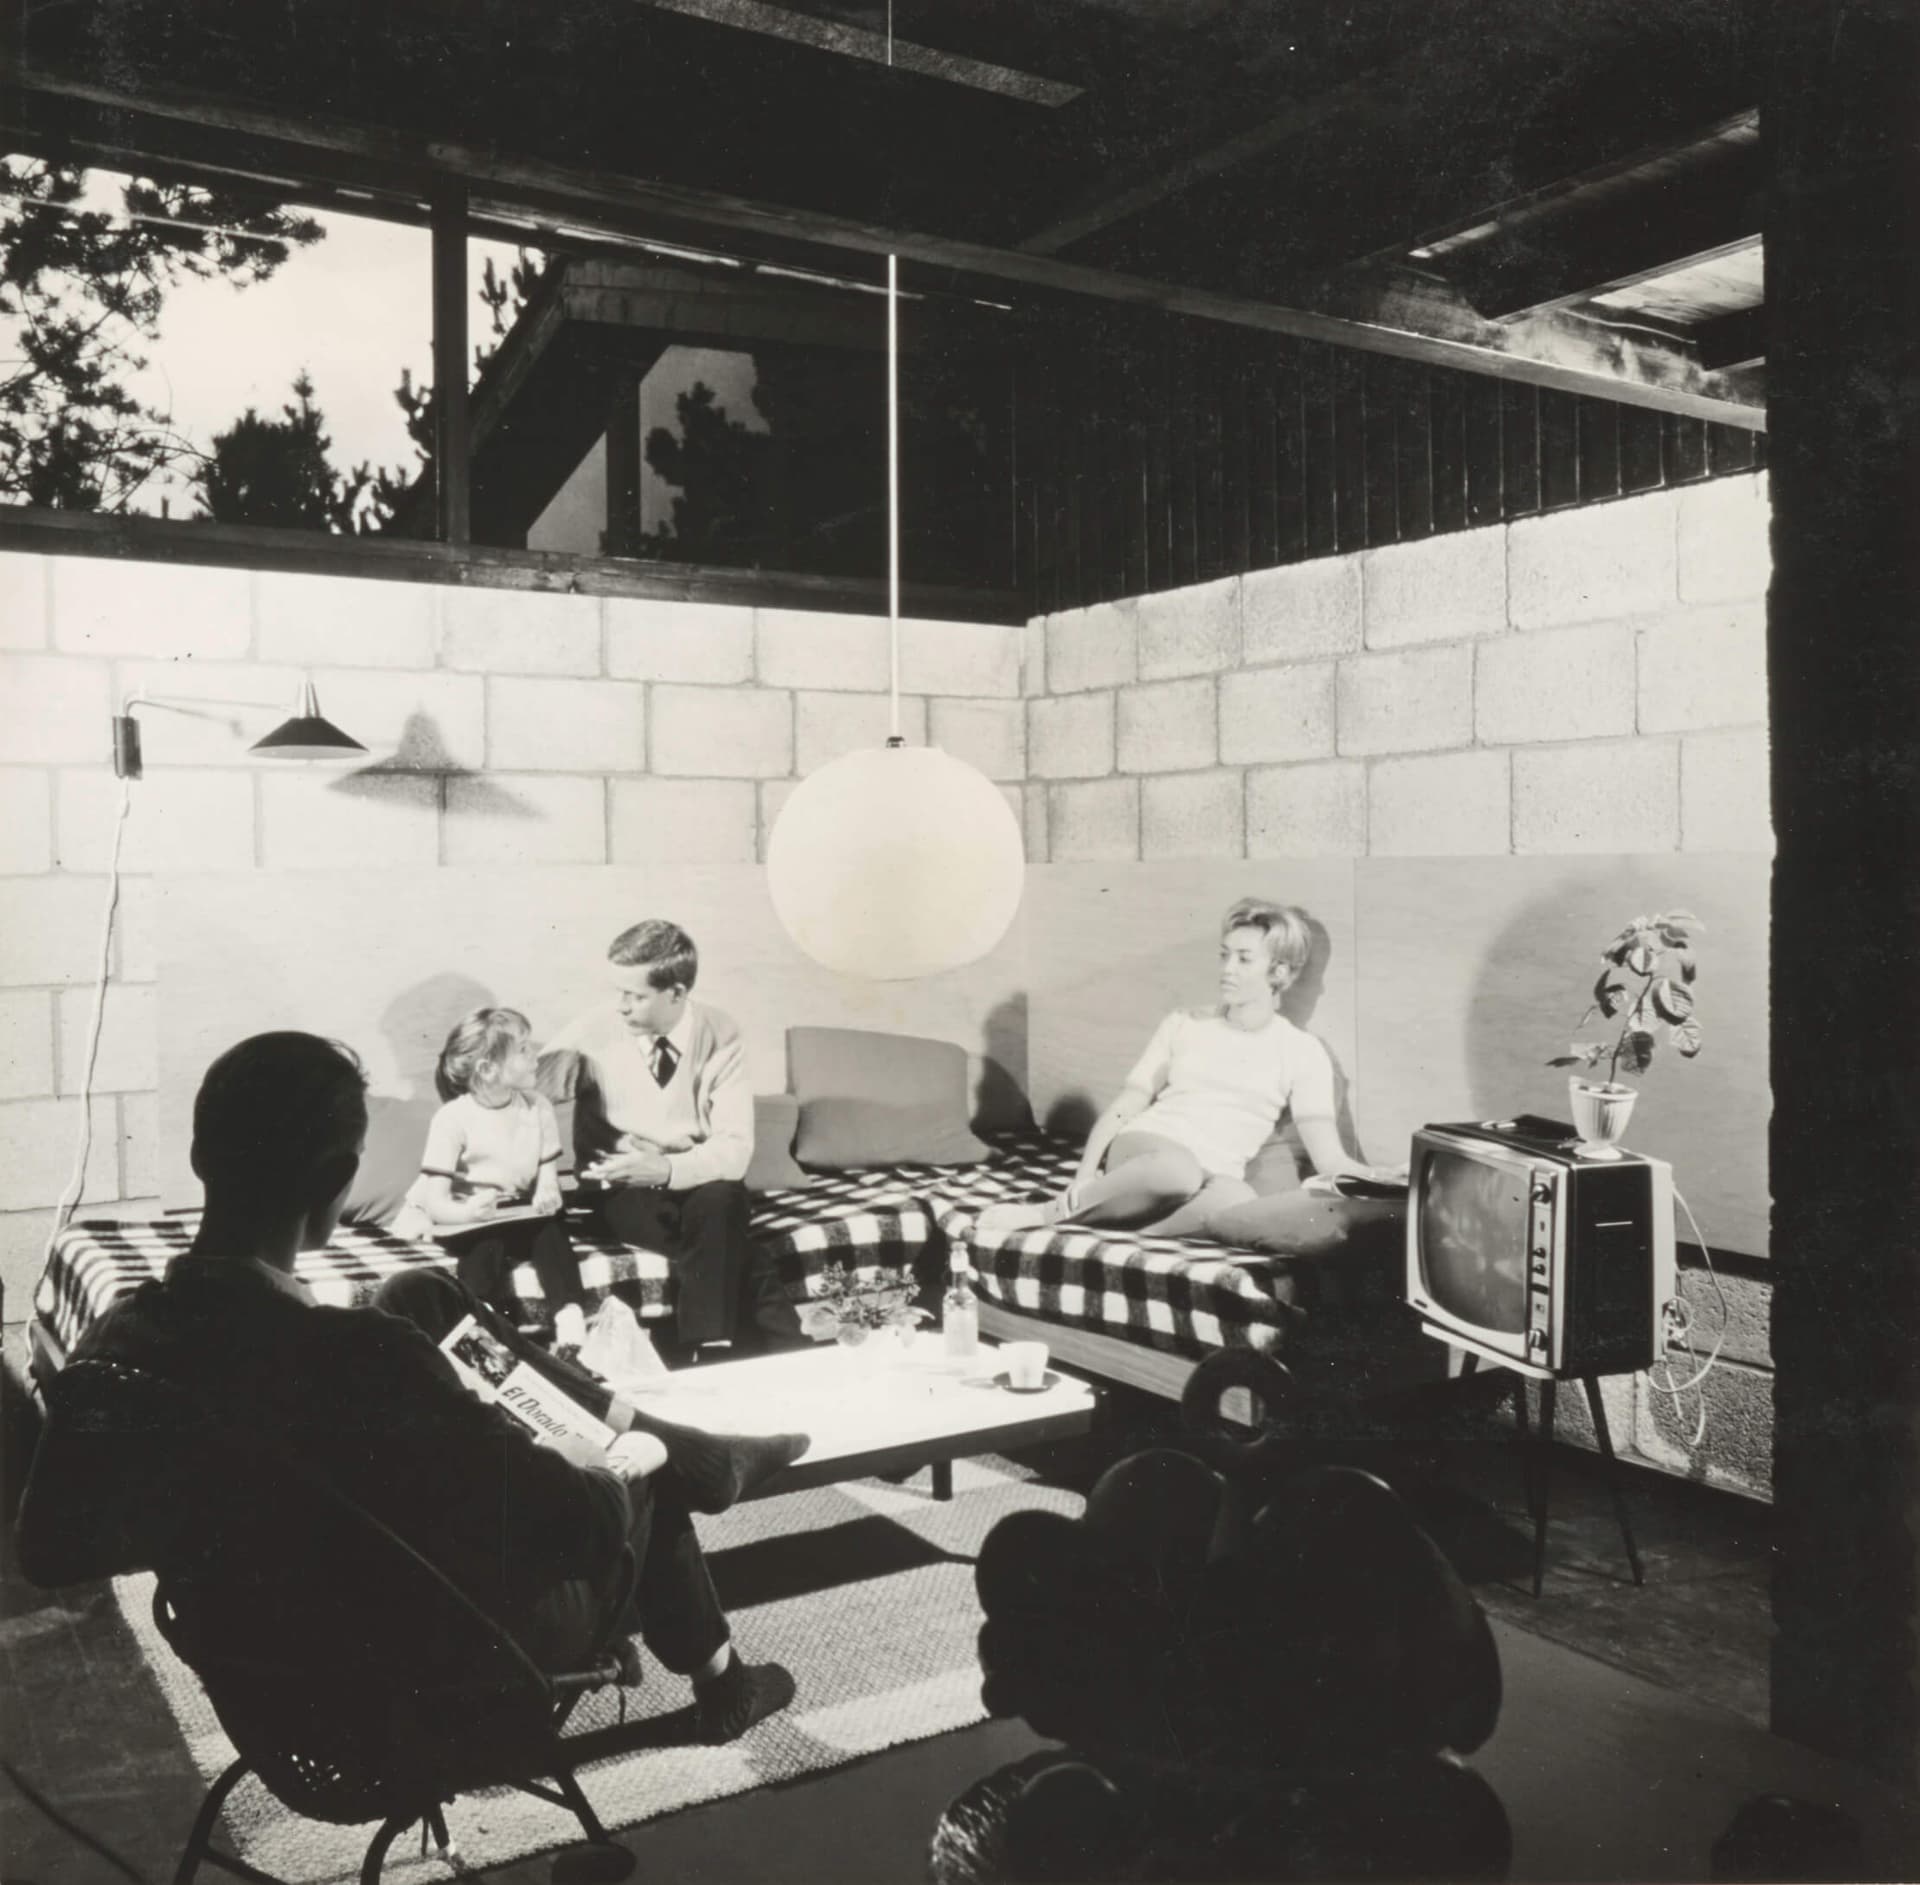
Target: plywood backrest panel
x=388 y=961
x=1113 y=947
x=1474 y=971
x=1440 y=986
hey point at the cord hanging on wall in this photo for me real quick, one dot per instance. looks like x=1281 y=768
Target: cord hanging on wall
x=895 y=861
x=306 y=734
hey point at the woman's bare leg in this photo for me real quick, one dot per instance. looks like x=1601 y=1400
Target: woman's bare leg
x=1145 y=1178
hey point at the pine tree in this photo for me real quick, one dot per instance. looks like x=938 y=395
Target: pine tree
x=81 y=290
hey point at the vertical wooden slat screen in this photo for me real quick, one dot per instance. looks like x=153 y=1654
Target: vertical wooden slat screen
x=1153 y=457
x=1379 y=446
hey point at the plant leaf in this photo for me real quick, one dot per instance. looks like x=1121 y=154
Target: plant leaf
x=1671 y=1002
x=1638 y=1052
x=1609 y=996
x=1688 y=967
x=1640 y=959
x=1685 y=1037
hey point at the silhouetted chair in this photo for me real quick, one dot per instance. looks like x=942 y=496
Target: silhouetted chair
x=352 y=1677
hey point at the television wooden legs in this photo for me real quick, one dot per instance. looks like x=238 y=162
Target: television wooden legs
x=1536 y=1455
x=1618 y=1491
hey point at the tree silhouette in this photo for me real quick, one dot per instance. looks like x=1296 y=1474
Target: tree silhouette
x=81 y=289
x=720 y=465
x=277 y=472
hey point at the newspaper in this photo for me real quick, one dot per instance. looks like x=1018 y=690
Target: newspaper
x=495 y=1373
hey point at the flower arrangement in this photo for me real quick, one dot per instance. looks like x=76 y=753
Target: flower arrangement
x=851 y=1304
x=1659 y=950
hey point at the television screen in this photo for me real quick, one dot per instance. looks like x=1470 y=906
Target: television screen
x=1473 y=1239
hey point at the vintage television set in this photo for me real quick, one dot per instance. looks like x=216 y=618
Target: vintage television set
x=1530 y=1249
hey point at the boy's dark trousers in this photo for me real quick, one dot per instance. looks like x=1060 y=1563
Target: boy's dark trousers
x=725 y=1286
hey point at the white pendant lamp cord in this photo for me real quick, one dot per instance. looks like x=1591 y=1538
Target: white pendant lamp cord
x=893 y=472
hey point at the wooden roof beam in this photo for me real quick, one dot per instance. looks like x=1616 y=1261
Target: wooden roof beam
x=857 y=42
x=1570 y=355
x=1483 y=216
x=1613 y=239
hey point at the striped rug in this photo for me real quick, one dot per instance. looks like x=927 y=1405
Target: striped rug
x=863 y=1590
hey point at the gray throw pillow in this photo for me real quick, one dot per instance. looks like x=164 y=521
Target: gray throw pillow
x=776 y=1117
x=868 y=1098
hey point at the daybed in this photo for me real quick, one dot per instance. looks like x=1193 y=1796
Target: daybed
x=872 y=1161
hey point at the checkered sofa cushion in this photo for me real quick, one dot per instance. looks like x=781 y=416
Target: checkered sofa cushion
x=96 y=1262
x=1184 y=1296
x=866 y=1218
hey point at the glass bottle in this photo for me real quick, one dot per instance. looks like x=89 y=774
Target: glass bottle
x=959 y=1313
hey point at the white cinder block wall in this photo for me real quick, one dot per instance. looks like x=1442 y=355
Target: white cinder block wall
x=505 y=728
x=1589 y=681
x=1594 y=680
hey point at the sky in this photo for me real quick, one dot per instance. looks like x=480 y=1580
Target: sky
x=351 y=309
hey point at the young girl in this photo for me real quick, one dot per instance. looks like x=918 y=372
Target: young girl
x=494 y=1149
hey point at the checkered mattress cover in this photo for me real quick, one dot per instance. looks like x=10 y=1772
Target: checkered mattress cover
x=1184 y=1296
x=863 y=1218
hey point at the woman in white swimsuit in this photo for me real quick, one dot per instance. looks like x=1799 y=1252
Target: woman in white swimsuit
x=1174 y=1147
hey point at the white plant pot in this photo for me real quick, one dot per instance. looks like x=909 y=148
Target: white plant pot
x=1600 y=1111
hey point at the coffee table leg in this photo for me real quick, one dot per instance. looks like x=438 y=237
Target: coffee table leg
x=943 y=1479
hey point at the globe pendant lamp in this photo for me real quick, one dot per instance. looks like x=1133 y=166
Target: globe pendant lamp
x=895 y=861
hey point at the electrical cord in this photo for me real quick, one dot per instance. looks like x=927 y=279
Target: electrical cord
x=1681 y=1311
x=35 y=1799
x=77 y=1182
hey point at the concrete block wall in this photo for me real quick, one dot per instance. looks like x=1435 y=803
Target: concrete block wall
x=1592 y=680
x=505 y=728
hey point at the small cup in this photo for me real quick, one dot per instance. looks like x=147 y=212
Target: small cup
x=1026 y=1364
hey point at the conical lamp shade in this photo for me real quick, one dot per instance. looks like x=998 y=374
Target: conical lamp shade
x=894 y=862
x=308 y=735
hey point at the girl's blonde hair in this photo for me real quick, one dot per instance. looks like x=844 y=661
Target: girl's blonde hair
x=486 y=1034
x=1289 y=939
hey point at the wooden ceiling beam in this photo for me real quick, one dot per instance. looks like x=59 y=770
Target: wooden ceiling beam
x=1612 y=238
x=857 y=42
x=1732 y=340
x=1570 y=356
x=1536 y=198
x=1172 y=175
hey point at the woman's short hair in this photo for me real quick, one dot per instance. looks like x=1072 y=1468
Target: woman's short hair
x=273 y=1110
x=663 y=949
x=1289 y=940
x=486 y=1034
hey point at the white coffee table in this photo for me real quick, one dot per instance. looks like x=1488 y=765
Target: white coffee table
x=908 y=1409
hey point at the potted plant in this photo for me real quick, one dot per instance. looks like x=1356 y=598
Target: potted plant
x=1659 y=951
x=850 y=1305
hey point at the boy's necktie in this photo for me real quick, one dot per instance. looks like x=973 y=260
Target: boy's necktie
x=665 y=1058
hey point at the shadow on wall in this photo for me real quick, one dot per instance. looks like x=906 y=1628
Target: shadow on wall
x=422 y=751
x=1000 y=1080
x=416 y=1024
x=1186 y=968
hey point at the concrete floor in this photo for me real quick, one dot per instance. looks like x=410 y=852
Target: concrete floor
x=87 y=1733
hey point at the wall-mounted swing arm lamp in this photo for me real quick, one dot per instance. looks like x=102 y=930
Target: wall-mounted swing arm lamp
x=305 y=734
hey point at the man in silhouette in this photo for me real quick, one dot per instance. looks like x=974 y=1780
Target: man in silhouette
x=535 y=1536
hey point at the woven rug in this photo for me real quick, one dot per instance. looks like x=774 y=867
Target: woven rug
x=863 y=1590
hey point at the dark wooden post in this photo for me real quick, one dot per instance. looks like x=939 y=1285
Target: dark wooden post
x=623 y=467
x=453 y=472
x=1843 y=212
